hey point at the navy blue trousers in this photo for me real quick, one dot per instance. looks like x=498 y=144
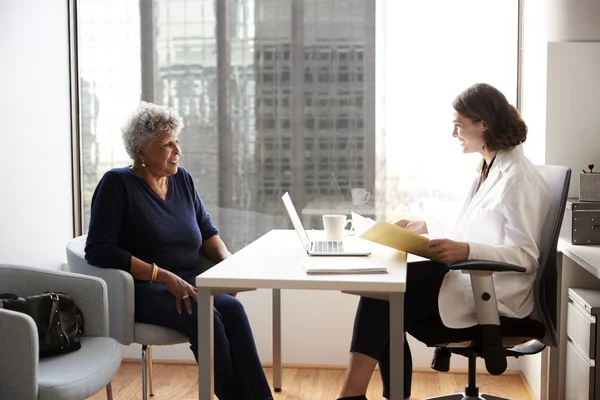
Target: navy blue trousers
x=422 y=320
x=238 y=372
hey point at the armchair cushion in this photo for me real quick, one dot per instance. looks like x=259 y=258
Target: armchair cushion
x=156 y=335
x=80 y=374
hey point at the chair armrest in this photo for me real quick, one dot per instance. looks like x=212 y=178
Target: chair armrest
x=488 y=319
x=90 y=293
x=18 y=356
x=121 y=295
x=483 y=265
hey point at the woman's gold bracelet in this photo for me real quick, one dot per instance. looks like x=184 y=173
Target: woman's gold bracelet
x=154 y=272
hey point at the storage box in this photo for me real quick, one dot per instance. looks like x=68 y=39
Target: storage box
x=581 y=224
x=589 y=187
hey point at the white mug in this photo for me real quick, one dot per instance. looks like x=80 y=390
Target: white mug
x=334 y=225
x=360 y=196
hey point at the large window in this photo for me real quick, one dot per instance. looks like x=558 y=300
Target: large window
x=434 y=50
x=314 y=97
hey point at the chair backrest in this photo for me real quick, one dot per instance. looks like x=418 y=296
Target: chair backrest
x=120 y=290
x=546 y=283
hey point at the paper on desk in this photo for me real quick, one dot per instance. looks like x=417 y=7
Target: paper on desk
x=361 y=224
x=399 y=238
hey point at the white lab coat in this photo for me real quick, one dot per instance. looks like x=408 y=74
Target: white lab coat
x=501 y=221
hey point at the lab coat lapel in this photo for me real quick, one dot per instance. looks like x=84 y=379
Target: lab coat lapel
x=493 y=177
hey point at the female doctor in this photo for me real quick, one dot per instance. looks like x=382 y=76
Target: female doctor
x=501 y=220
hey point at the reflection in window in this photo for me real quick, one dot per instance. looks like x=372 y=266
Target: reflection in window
x=326 y=124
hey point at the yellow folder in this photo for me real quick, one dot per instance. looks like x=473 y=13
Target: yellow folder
x=399 y=238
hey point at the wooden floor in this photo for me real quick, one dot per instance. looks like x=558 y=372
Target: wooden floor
x=174 y=382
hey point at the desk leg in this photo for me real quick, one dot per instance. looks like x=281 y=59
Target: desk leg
x=206 y=354
x=396 y=346
x=277 y=369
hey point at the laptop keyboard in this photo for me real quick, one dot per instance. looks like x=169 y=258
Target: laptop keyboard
x=327 y=247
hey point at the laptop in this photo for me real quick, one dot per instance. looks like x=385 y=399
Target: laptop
x=339 y=190
x=322 y=247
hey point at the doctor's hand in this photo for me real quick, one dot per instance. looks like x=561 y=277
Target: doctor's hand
x=419 y=227
x=450 y=251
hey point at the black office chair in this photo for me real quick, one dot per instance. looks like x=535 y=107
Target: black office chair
x=496 y=338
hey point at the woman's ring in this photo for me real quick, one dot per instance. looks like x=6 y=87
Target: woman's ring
x=185 y=296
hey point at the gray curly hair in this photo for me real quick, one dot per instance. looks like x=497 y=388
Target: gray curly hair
x=146 y=123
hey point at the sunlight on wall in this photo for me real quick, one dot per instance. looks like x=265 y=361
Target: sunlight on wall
x=434 y=51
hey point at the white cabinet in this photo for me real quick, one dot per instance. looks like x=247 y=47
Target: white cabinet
x=581 y=381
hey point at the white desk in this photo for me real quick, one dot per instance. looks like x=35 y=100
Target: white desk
x=275 y=261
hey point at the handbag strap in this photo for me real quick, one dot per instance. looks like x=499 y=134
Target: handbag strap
x=7 y=296
x=55 y=317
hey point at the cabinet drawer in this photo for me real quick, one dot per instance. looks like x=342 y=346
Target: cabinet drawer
x=581 y=328
x=580 y=382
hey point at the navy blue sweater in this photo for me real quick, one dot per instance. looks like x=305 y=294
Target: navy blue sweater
x=129 y=218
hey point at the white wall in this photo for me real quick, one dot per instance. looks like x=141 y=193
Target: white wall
x=572 y=20
x=568 y=143
x=573 y=117
x=35 y=164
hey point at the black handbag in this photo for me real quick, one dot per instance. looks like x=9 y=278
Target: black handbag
x=59 y=321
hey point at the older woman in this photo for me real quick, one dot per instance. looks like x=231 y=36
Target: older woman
x=147 y=219
x=501 y=221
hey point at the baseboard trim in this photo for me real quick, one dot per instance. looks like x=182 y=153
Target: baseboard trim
x=528 y=388
x=325 y=366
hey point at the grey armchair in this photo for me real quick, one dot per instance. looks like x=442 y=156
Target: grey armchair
x=121 y=296
x=75 y=375
x=496 y=337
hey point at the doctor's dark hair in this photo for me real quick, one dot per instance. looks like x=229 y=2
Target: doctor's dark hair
x=484 y=103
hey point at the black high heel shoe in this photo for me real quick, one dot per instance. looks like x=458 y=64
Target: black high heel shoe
x=441 y=359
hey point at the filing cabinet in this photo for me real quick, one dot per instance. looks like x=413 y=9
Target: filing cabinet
x=582 y=380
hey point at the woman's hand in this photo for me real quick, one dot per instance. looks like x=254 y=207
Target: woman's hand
x=419 y=227
x=182 y=291
x=450 y=251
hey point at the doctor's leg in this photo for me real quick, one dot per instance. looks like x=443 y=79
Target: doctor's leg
x=370 y=341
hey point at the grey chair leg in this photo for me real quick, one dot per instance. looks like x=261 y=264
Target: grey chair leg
x=144 y=387
x=150 y=370
x=492 y=397
x=109 y=391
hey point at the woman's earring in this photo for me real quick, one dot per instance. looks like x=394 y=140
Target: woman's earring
x=143 y=164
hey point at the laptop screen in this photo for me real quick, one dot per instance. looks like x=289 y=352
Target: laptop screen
x=337 y=185
x=291 y=210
